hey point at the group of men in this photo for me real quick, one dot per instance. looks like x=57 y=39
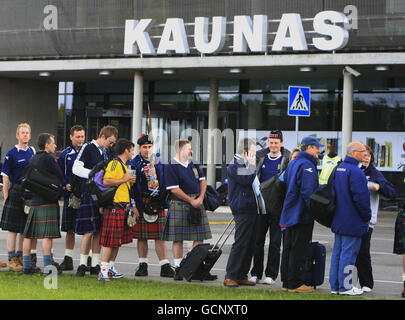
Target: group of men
x=163 y=201
x=141 y=185
x=294 y=225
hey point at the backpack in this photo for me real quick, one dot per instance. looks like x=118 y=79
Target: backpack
x=322 y=203
x=101 y=194
x=274 y=191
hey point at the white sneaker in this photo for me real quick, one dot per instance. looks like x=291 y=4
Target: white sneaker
x=366 y=289
x=352 y=292
x=334 y=292
x=254 y=279
x=268 y=280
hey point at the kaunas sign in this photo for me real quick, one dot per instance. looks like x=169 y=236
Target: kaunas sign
x=247 y=34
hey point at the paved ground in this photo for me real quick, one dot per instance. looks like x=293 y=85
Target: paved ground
x=387 y=266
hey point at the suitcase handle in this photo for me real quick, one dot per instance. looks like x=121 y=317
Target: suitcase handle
x=215 y=248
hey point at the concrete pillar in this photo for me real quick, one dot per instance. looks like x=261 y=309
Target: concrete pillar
x=212 y=125
x=137 y=106
x=347 y=113
x=31 y=101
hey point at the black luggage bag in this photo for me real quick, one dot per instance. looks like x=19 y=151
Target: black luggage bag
x=199 y=261
x=314 y=269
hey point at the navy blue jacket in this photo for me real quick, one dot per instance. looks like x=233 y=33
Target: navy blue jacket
x=301 y=178
x=352 y=200
x=241 y=197
x=386 y=188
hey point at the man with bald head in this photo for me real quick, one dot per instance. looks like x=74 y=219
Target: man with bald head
x=350 y=223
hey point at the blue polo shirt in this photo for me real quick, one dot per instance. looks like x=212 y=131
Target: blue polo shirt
x=186 y=177
x=271 y=167
x=15 y=161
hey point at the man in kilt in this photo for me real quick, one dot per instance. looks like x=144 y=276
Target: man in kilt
x=151 y=207
x=186 y=217
x=43 y=217
x=13 y=218
x=88 y=219
x=114 y=228
x=65 y=162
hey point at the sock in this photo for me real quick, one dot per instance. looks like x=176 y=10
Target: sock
x=163 y=262
x=19 y=254
x=91 y=253
x=403 y=277
x=95 y=259
x=27 y=262
x=177 y=262
x=69 y=253
x=11 y=255
x=33 y=251
x=143 y=260
x=112 y=265
x=83 y=259
x=47 y=260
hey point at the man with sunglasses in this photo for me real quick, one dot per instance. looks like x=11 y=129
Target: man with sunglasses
x=350 y=222
x=88 y=219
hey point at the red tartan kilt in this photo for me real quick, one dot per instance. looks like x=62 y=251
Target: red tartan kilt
x=114 y=228
x=149 y=231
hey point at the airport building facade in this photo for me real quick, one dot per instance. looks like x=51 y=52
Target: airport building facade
x=224 y=64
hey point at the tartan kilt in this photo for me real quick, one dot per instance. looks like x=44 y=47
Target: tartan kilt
x=114 y=228
x=88 y=219
x=13 y=218
x=149 y=231
x=43 y=222
x=68 y=217
x=177 y=227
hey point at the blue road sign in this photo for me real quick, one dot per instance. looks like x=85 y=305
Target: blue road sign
x=299 y=101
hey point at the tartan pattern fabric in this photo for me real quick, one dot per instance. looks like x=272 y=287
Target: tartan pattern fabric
x=149 y=231
x=13 y=218
x=88 y=219
x=399 y=238
x=114 y=228
x=177 y=227
x=68 y=217
x=43 y=222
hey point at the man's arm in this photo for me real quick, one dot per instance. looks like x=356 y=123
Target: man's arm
x=6 y=183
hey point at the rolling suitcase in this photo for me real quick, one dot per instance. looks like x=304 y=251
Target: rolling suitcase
x=200 y=260
x=314 y=269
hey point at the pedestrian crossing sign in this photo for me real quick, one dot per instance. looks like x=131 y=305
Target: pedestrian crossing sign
x=299 y=101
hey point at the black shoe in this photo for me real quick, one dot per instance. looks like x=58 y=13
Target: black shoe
x=403 y=292
x=142 y=270
x=67 y=264
x=57 y=266
x=209 y=277
x=31 y=271
x=88 y=263
x=177 y=275
x=95 y=270
x=166 y=271
x=81 y=270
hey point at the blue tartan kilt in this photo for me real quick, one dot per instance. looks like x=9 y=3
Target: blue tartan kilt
x=88 y=219
x=177 y=227
x=13 y=218
x=68 y=217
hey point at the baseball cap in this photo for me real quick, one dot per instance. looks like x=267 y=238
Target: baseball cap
x=311 y=141
x=276 y=134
